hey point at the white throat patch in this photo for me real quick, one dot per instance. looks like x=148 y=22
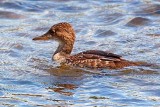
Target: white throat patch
x=59 y=58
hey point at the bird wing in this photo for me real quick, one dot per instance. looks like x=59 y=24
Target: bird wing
x=96 y=54
x=98 y=59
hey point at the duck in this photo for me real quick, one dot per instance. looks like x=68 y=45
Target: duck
x=64 y=34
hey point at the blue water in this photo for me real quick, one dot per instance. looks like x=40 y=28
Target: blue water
x=28 y=76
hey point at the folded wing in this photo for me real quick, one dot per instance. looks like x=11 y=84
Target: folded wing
x=98 y=59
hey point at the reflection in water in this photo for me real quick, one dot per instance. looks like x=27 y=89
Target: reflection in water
x=66 y=71
x=139 y=71
x=67 y=79
x=62 y=87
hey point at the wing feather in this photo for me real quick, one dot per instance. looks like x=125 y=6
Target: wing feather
x=98 y=59
x=96 y=54
x=101 y=53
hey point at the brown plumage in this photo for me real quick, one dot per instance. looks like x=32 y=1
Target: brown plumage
x=65 y=35
x=98 y=59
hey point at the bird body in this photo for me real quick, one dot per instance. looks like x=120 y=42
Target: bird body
x=65 y=35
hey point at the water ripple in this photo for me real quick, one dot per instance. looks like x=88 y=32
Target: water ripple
x=29 y=77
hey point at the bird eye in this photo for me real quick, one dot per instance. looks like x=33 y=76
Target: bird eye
x=52 y=31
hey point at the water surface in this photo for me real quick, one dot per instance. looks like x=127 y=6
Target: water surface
x=28 y=76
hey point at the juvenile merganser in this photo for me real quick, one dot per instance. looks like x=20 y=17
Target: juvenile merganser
x=65 y=35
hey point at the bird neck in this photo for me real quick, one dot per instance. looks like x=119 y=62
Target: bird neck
x=64 y=47
x=64 y=50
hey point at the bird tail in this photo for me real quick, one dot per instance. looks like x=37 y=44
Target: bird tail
x=125 y=63
x=139 y=63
